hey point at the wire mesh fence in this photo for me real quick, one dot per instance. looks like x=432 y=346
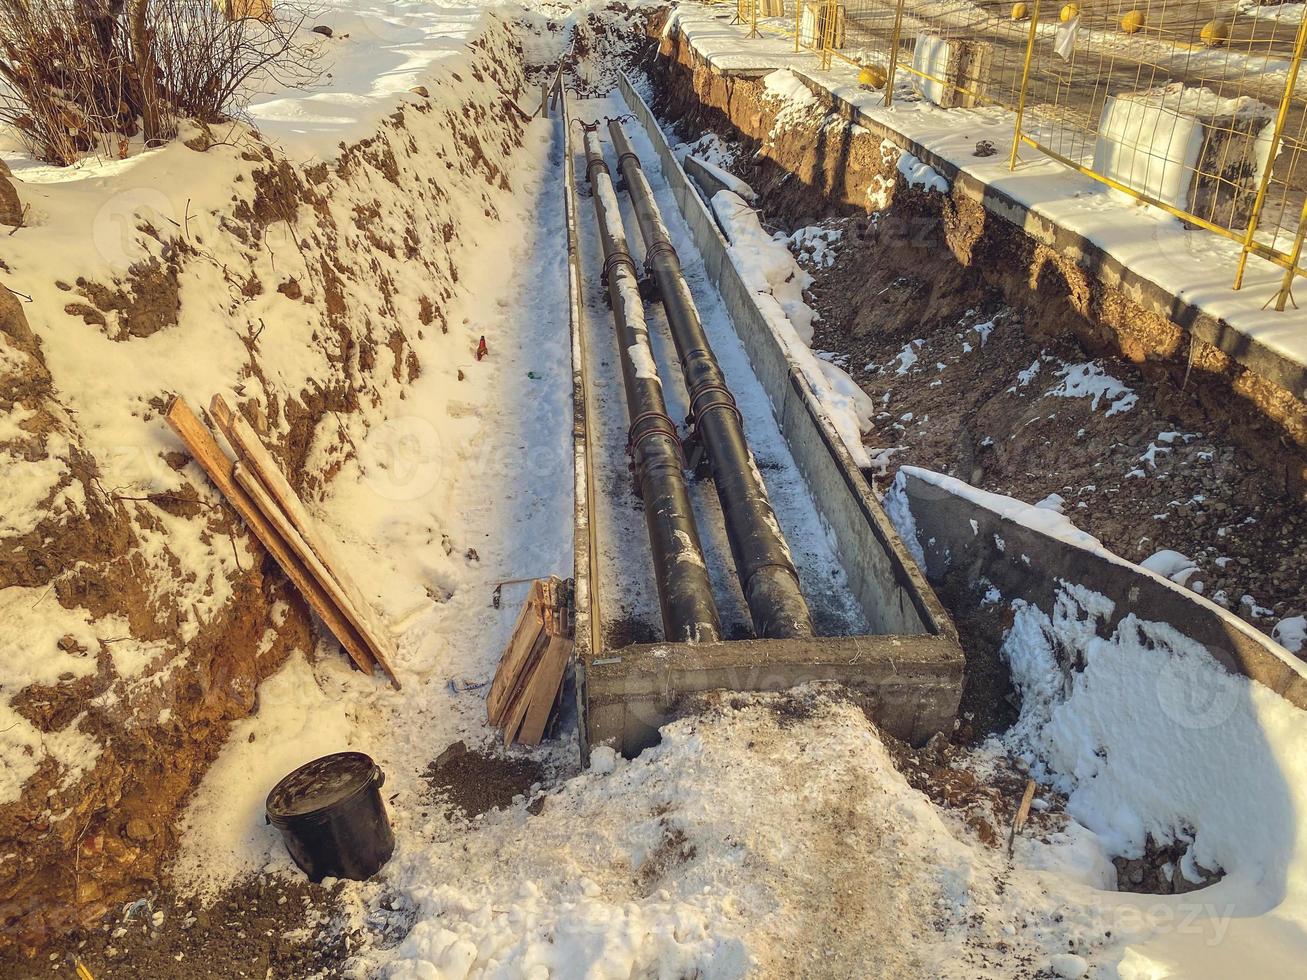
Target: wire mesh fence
x=1196 y=109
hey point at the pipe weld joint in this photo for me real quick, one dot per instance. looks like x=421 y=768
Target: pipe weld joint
x=786 y=567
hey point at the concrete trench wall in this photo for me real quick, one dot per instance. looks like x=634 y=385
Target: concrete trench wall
x=810 y=171
x=909 y=674
x=961 y=536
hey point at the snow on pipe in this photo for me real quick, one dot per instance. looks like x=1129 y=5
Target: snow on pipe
x=762 y=558
x=684 y=590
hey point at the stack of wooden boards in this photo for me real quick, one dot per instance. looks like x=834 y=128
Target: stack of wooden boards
x=528 y=684
x=261 y=495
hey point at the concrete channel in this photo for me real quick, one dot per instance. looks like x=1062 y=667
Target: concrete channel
x=882 y=631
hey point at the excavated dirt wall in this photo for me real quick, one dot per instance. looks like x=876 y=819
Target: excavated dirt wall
x=806 y=170
x=77 y=844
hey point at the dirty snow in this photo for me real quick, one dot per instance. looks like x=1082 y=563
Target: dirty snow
x=769 y=268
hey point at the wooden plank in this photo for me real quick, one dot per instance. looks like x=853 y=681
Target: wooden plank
x=1022 y=815
x=262 y=498
x=542 y=693
x=219 y=467
x=529 y=625
x=247 y=444
x=200 y=442
x=518 y=702
x=515 y=708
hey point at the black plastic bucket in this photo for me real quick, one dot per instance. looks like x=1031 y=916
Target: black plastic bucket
x=332 y=818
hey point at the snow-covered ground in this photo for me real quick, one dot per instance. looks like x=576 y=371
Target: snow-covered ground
x=765 y=836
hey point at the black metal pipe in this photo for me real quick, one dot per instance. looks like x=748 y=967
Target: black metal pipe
x=762 y=558
x=684 y=590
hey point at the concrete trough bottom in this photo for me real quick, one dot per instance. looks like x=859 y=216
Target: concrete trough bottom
x=908 y=671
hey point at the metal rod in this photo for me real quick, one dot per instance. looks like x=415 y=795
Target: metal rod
x=1287 y=285
x=1290 y=84
x=766 y=571
x=684 y=590
x=1025 y=80
x=893 y=53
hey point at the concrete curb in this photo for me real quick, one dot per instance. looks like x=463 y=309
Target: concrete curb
x=960 y=534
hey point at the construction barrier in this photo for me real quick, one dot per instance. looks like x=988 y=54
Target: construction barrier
x=1201 y=115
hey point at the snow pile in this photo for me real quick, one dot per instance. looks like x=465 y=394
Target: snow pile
x=1172 y=565
x=707 y=857
x=708 y=148
x=1291 y=633
x=1155 y=744
x=728 y=180
x=323 y=302
x=1152 y=739
x=378 y=52
x=816 y=245
x=799 y=101
x=919 y=174
x=1089 y=380
x=768 y=267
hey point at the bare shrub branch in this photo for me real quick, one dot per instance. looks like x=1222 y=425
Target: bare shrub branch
x=88 y=75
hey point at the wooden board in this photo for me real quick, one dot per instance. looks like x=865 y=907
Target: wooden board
x=261 y=497
x=526 y=685
x=249 y=446
x=518 y=703
x=529 y=626
x=206 y=451
x=542 y=692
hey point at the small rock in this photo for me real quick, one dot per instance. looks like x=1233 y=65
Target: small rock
x=291 y=289
x=11 y=208
x=13 y=320
x=420 y=90
x=324 y=30
x=140 y=831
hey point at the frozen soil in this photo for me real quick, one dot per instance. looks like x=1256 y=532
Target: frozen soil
x=970 y=386
x=262 y=928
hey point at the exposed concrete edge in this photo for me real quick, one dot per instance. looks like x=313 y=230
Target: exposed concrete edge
x=912 y=683
x=958 y=532
x=707 y=181
x=586 y=620
x=873 y=556
x=1251 y=353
